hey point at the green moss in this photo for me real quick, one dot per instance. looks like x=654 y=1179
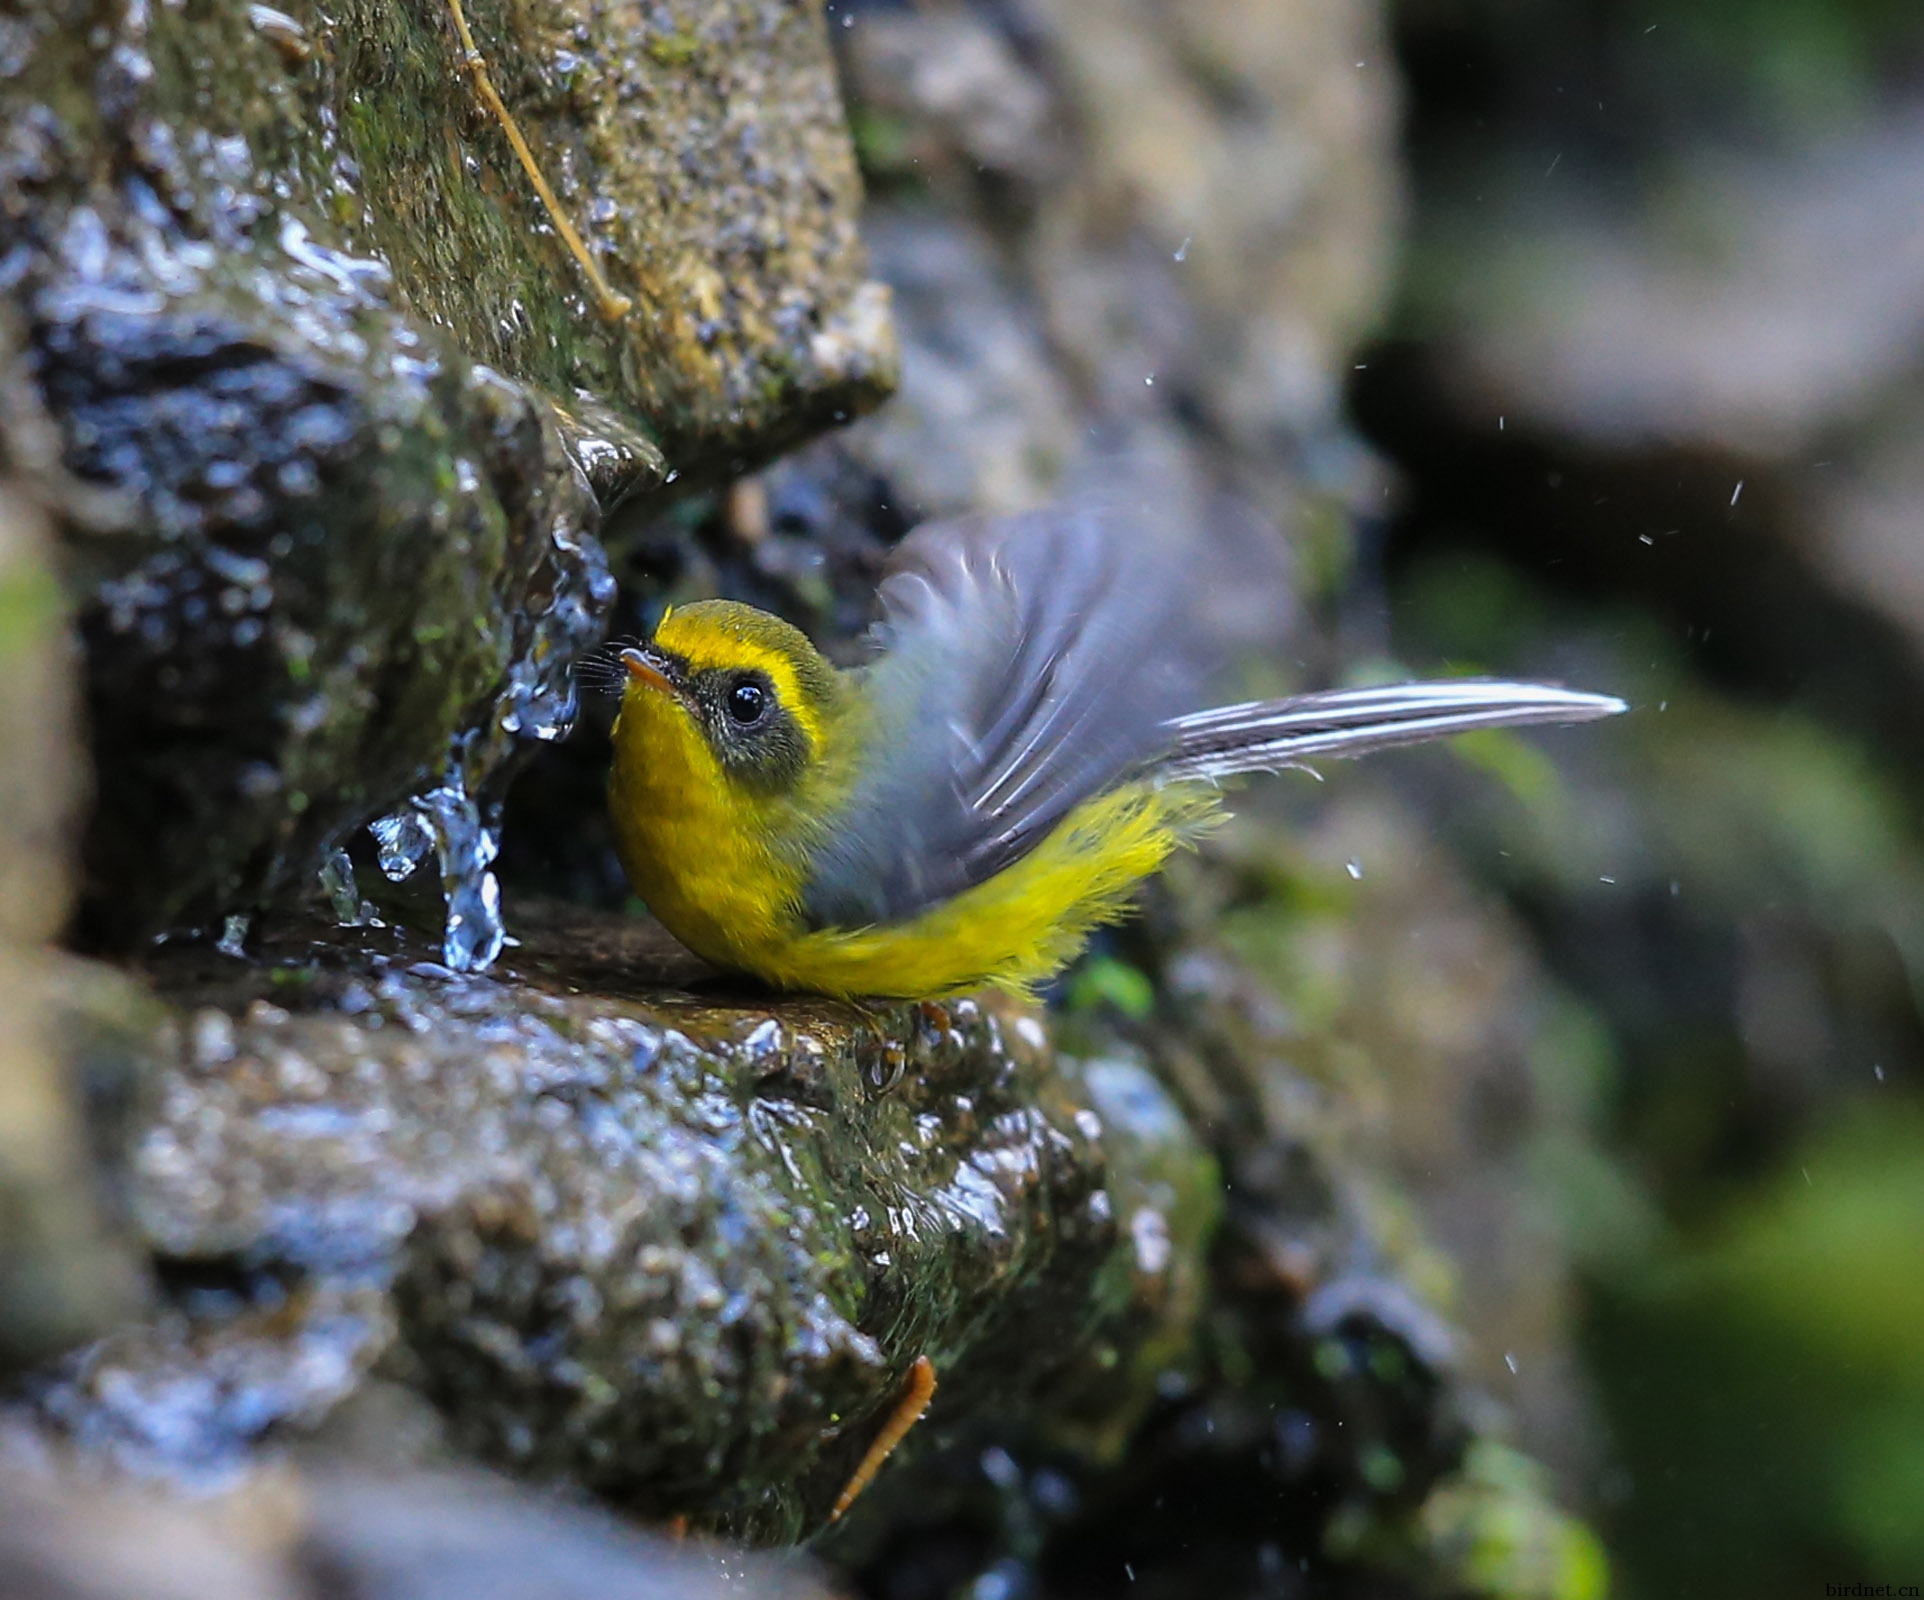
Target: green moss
x=1494 y=1531
x=881 y=141
x=1105 y=981
x=31 y=609
x=673 y=49
x=1770 y=1374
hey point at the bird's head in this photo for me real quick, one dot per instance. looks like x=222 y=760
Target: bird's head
x=737 y=685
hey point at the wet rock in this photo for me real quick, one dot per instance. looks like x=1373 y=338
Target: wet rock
x=351 y=1535
x=276 y=669
x=672 y=1250
x=1406 y=1104
x=298 y=317
x=61 y=1276
x=1404 y=1112
x=1189 y=223
x=700 y=148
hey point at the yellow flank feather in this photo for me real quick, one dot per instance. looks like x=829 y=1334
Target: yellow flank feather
x=1018 y=928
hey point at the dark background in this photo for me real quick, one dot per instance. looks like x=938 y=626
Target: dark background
x=1652 y=387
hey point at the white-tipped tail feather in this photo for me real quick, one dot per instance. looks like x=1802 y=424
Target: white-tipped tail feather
x=1265 y=735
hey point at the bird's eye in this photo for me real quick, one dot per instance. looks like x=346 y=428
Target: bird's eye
x=747 y=702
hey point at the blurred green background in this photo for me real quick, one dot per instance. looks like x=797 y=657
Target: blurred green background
x=1654 y=387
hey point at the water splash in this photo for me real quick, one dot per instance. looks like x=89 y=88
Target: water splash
x=539 y=700
x=457 y=823
x=342 y=892
x=446 y=824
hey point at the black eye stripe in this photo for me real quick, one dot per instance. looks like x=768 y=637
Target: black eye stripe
x=752 y=733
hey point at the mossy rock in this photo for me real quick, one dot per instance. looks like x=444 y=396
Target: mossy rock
x=342 y=419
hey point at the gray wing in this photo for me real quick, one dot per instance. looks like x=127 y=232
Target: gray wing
x=1028 y=662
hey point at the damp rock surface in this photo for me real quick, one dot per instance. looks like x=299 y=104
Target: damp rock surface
x=675 y=1249
x=61 y=1275
x=341 y=1534
x=338 y=420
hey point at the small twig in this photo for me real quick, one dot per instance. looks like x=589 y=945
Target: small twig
x=908 y=1411
x=613 y=306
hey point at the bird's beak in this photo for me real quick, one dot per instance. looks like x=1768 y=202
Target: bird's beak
x=647 y=665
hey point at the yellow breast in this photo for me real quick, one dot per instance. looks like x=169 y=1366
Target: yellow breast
x=722 y=871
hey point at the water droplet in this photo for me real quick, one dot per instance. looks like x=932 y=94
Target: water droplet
x=1509 y=1360
x=1605 y=878
x=1877 y=1068
x=342 y=891
x=1150 y=381
x=1182 y=250
x=1736 y=491
x=404 y=842
x=1353 y=867
x=999 y=1467
x=233 y=936
x=884 y=1068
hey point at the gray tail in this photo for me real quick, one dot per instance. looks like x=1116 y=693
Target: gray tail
x=1265 y=735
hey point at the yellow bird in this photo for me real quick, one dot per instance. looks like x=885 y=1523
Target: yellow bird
x=963 y=809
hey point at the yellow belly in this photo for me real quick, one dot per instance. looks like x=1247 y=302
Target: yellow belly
x=734 y=908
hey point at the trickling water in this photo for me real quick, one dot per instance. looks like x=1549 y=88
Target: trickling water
x=405 y=841
x=445 y=823
x=343 y=892
x=466 y=847
x=458 y=822
x=538 y=701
